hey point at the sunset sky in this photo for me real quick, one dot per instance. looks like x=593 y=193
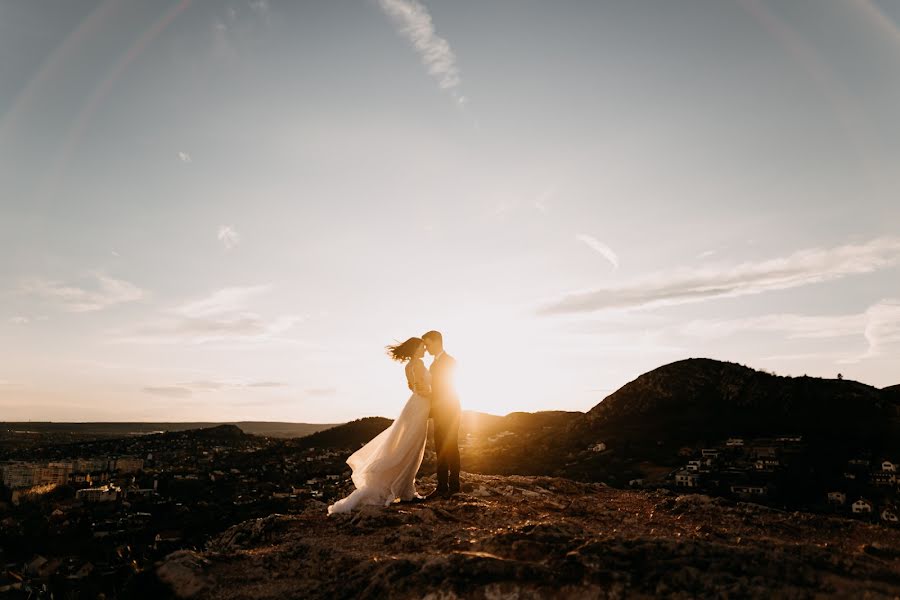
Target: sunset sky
x=225 y=210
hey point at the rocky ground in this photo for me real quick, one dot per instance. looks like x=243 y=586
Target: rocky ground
x=541 y=537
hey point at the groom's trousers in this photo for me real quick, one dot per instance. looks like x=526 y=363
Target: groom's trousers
x=446 y=445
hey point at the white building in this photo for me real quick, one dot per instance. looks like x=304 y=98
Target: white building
x=91 y=465
x=888 y=467
x=862 y=506
x=599 y=447
x=687 y=479
x=734 y=442
x=18 y=475
x=749 y=490
x=889 y=515
x=54 y=474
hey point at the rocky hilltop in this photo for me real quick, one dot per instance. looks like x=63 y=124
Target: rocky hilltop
x=540 y=537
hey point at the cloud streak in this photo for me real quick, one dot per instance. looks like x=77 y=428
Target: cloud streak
x=104 y=292
x=168 y=391
x=414 y=22
x=187 y=389
x=599 y=247
x=682 y=286
x=224 y=315
x=228 y=236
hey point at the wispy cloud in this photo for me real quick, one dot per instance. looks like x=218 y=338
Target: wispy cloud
x=184 y=157
x=228 y=236
x=169 y=391
x=319 y=392
x=186 y=389
x=414 y=22
x=104 y=292
x=878 y=325
x=794 y=326
x=224 y=315
x=882 y=330
x=598 y=246
x=683 y=286
x=223 y=301
x=20 y=320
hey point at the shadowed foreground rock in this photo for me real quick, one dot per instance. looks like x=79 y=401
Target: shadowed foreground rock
x=541 y=537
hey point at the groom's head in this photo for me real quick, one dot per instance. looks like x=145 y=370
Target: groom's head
x=434 y=342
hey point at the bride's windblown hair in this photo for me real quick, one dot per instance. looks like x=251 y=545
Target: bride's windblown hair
x=405 y=351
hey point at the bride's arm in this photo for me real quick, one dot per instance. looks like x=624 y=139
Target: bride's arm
x=420 y=376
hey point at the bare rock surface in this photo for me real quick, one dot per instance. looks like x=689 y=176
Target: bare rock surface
x=542 y=537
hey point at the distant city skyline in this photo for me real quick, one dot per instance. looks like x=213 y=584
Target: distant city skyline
x=224 y=211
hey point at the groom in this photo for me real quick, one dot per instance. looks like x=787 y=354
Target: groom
x=445 y=411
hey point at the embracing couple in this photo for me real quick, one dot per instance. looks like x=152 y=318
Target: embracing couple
x=385 y=468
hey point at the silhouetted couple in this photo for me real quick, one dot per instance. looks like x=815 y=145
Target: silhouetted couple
x=384 y=470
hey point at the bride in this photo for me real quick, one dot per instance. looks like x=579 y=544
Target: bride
x=385 y=468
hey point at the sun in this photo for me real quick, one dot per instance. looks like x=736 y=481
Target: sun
x=499 y=370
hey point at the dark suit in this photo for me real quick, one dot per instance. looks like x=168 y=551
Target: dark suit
x=445 y=411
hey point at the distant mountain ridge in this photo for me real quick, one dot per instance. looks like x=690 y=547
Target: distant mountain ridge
x=123 y=428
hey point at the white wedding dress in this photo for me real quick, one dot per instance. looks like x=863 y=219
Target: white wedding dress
x=385 y=468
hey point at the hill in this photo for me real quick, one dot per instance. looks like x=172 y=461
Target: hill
x=348 y=435
x=540 y=537
x=704 y=399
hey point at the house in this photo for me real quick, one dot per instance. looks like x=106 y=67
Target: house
x=889 y=515
x=764 y=452
x=887 y=478
x=687 y=479
x=749 y=490
x=598 y=447
x=888 y=467
x=839 y=498
x=766 y=464
x=693 y=465
x=734 y=442
x=709 y=453
x=862 y=506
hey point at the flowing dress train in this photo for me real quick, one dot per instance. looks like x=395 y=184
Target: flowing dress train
x=385 y=468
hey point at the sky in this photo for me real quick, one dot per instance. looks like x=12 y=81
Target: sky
x=225 y=210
